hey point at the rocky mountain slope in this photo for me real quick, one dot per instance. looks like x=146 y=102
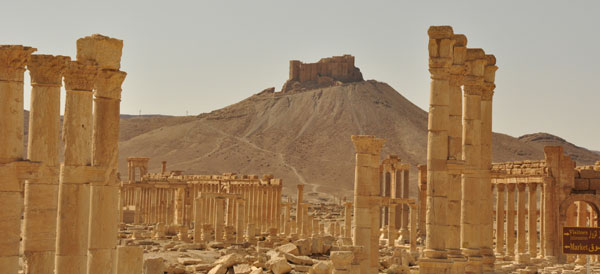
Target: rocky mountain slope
x=304 y=137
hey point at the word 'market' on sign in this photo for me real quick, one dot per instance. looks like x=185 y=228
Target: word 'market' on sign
x=581 y=240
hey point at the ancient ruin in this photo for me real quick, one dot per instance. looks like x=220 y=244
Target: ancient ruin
x=326 y=72
x=68 y=210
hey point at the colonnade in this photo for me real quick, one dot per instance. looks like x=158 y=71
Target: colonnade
x=395 y=184
x=525 y=245
x=458 y=221
x=70 y=209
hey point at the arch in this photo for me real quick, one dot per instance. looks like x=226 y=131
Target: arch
x=591 y=199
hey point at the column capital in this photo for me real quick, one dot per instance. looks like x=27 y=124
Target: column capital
x=475 y=67
x=80 y=76
x=13 y=59
x=521 y=187
x=500 y=187
x=510 y=187
x=300 y=187
x=367 y=144
x=475 y=90
x=108 y=84
x=532 y=187
x=47 y=70
x=103 y=50
x=440 y=32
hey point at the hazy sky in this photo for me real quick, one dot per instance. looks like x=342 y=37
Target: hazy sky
x=197 y=56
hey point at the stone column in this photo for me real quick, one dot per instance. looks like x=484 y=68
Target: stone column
x=164 y=167
x=178 y=220
x=500 y=219
x=305 y=221
x=510 y=220
x=521 y=236
x=41 y=196
x=74 y=191
x=366 y=192
x=472 y=217
x=422 y=183
x=392 y=230
x=348 y=220
x=199 y=218
x=440 y=59
x=404 y=233
x=532 y=221
x=487 y=196
x=298 y=207
x=457 y=73
x=219 y=218
x=106 y=52
x=12 y=70
x=240 y=221
x=413 y=229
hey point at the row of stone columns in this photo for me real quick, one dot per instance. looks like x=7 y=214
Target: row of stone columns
x=395 y=184
x=153 y=204
x=458 y=219
x=59 y=208
x=505 y=244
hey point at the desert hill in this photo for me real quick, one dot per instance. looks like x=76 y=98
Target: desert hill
x=304 y=136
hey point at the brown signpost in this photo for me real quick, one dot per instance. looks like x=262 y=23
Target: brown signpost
x=581 y=240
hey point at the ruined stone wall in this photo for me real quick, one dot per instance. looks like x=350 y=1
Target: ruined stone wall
x=326 y=72
x=587 y=177
x=526 y=167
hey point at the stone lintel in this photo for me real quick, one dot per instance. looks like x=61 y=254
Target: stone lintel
x=47 y=70
x=13 y=59
x=440 y=32
x=103 y=50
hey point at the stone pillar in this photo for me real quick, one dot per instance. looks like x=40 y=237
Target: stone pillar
x=413 y=229
x=440 y=59
x=12 y=70
x=472 y=217
x=240 y=221
x=404 y=233
x=422 y=183
x=198 y=219
x=130 y=260
x=74 y=191
x=306 y=224
x=104 y=196
x=521 y=236
x=179 y=192
x=392 y=230
x=457 y=72
x=298 y=207
x=510 y=220
x=164 y=167
x=366 y=192
x=348 y=220
x=500 y=219
x=487 y=195
x=41 y=196
x=532 y=221
x=219 y=218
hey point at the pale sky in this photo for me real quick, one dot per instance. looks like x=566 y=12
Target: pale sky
x=198 y=56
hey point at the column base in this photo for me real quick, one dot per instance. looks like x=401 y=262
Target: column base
x=434 y=266
x=459 y=262
x=474 y=260
x=523 y=258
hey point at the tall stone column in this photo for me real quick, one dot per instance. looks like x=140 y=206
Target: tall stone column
x=366 y=200
x=178 y=220
x=73 y=190
x=219 y=218
x=510 y=220
x=500 y=219
x=348 y=220
x=422 y=183
x=521 y=236
x=298 y=207
x=438 y=185
x=487 y=195
x=104 y=205
x=404 y=230
x=12 y=70
x=472 y=217
x=198 y=220
x=240 y=221
x=41 y=196
x=457 y=72
x=532 y=221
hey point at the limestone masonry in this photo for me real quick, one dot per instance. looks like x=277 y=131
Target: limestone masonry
x=471 y=215
x=327 y=72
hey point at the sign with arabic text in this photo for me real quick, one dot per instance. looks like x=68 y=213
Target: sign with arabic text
x=581 y=240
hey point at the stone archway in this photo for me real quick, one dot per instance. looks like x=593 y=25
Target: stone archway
x=591 y=199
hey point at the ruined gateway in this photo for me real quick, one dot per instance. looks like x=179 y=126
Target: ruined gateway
x=79 y=216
